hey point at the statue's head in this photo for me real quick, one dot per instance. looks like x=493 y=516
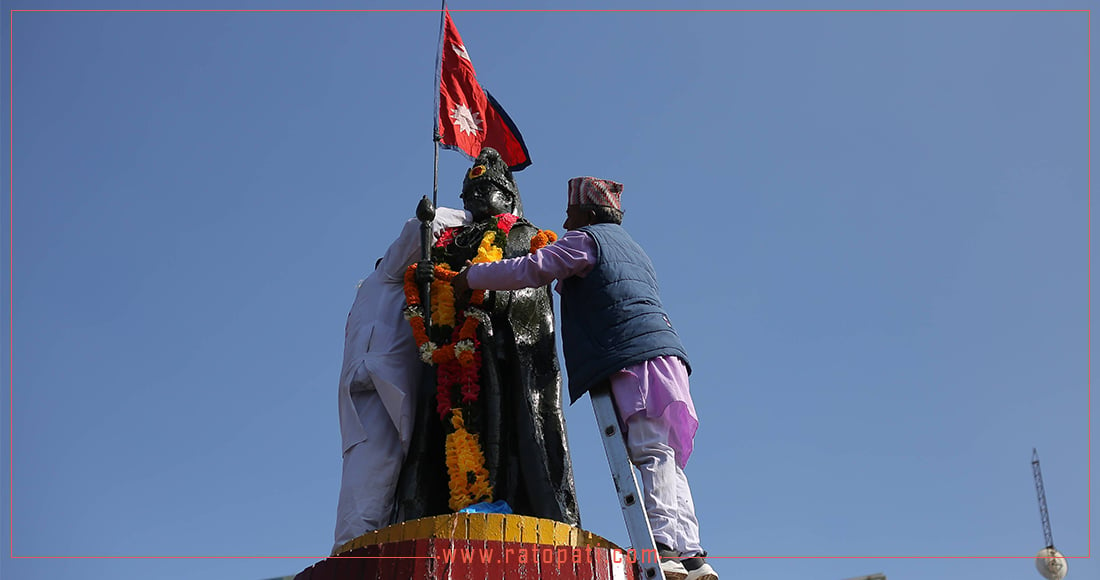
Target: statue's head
x=593 y=201
x=489 y=189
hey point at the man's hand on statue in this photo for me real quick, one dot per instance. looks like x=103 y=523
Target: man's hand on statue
x=462 y=287
x=425 y=272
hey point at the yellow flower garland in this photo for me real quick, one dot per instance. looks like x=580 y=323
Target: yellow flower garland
x=443 y=303
x=488 y=251
x=469 y=480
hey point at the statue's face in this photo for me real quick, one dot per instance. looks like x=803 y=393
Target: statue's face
x=485 y=200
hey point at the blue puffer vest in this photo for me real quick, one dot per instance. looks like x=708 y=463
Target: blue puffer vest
x=612 y=318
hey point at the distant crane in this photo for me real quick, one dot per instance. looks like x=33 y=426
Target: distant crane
x=1050 y=563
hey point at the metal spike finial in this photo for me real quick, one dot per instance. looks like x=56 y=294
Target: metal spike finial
x=1048 y=537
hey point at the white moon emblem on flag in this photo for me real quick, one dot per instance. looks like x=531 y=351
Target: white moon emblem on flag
x=466 y=120
x=460 y=50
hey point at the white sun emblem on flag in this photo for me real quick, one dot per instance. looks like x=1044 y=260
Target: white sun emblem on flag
x=466 y=120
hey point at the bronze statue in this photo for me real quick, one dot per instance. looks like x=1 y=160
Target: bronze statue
x=489 y=423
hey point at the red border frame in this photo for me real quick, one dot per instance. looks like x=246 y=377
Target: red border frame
x=11 y=256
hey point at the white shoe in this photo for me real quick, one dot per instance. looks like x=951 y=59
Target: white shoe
x=674 y=570
x=704 y=572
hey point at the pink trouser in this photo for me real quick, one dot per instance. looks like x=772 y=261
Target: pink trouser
x=666 y=495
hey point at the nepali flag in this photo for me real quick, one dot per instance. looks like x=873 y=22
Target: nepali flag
x=469 y=117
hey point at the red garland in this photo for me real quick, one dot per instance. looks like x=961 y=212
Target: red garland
x=447 y=236
x=448 y=374
x=505 y=221
x=471 y=388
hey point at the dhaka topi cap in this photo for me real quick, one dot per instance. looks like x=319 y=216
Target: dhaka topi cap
x=490 y=167
x=595 y=191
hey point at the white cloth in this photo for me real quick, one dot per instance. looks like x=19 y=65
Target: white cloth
x=378 y=382
x=665 y=490
x=379 y=348
x=369 y=477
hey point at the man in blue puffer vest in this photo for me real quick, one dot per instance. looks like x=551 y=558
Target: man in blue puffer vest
x=615 y=329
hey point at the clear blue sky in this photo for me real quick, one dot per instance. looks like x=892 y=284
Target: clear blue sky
x=871 y=229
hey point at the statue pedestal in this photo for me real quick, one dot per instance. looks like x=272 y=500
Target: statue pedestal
x=477 y=547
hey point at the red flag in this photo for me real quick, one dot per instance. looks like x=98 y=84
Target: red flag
x=469 y=117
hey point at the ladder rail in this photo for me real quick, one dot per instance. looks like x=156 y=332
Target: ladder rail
x=626 y=483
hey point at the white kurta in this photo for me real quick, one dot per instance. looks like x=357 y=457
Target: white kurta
x=378 y=381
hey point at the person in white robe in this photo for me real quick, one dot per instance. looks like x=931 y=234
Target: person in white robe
x=378 y=381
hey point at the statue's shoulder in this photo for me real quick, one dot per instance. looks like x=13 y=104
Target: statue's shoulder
x=525 y=228
x=519 y=238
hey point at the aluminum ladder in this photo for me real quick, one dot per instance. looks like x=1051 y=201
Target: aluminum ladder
x=626 y=484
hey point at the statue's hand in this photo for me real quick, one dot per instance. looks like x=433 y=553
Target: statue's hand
x=425 y=272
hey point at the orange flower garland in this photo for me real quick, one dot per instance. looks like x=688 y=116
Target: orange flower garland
x=542 y=239
x=456 y=353
x=442 y=307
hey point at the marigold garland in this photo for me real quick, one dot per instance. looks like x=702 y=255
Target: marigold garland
x=469 y=480
x=488 y=251
x=430 y=352
x=443 y=303
x=542 y=239
x=456 y=352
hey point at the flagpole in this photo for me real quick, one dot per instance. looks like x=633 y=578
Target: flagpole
x=425 y=211
x=436 y=136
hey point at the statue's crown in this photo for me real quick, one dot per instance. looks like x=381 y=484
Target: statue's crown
x=489 y=166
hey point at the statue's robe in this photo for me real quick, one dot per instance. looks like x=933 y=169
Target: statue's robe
x=522 y=428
